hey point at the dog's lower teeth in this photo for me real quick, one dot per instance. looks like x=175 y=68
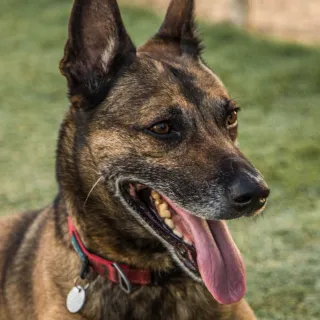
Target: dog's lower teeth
x=169 y=223
x=163 y=206
x=177 y=233
x=165 y=214
x=155 y=195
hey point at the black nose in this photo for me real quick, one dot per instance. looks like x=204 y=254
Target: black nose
x=248 y=193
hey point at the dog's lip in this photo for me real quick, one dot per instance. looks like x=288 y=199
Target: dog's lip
x=258 y=211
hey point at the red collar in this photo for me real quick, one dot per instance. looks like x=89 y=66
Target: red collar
x=115 y=272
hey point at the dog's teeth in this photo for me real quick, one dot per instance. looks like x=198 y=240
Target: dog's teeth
x=169 y=223
x=163 y=210
x=155 y=195
x=163 y=206
x=165 y=214
x=157 y=202
x=177 y=233
x=187 y=241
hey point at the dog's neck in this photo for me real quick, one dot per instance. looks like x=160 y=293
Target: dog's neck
x=103 y=294
x=103 y=223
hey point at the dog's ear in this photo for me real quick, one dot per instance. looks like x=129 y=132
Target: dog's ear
x=98 y=46
x=178 y=31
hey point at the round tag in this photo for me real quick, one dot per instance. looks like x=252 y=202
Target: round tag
x=76 y=299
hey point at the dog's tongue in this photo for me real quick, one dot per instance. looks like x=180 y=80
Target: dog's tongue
x=219 y=260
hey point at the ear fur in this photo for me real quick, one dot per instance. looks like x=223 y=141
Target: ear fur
x=98 y=46
x=178 y=30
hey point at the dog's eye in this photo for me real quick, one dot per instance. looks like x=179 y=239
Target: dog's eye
x=232 y=119
x=161 y=128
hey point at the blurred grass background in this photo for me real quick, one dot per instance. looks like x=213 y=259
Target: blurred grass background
x=278 y=87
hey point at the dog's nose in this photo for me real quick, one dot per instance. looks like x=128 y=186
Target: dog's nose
x=247 y=193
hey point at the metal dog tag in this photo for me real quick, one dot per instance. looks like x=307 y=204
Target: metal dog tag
x=76 y=299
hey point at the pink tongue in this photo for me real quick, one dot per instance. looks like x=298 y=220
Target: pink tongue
x=219 y=260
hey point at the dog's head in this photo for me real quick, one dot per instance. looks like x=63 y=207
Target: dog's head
x=148 y=152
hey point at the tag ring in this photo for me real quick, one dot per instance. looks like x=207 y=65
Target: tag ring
x=78 y=286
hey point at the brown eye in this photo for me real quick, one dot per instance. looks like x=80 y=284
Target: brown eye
x=232 y=119
x=161 y=128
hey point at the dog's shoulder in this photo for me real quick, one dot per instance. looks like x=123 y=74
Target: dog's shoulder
x=18 y=242
x=13 y=229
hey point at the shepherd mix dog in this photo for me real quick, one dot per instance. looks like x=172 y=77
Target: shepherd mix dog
x=148 y=170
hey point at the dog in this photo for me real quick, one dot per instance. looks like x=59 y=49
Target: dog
x=148 y=170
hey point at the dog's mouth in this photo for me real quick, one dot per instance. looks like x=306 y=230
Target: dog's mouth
x=204 y=247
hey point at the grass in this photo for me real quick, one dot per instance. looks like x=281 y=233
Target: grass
x=278 y=86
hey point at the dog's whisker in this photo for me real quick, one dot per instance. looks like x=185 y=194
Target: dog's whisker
x=95 y=184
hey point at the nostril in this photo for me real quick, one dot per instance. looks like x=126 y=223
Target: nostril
x=265 y=194
x=243 y=199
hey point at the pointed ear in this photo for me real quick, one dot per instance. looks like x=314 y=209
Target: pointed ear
x=97 y=47
x=178 y=30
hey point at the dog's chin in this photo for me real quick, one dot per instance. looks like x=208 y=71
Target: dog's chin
x=162 y=221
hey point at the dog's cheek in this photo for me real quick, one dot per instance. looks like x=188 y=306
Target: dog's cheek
x=108 y=143
x=106 y=147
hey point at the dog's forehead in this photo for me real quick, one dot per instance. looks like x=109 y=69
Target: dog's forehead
x=162 y=82
x=186 y=70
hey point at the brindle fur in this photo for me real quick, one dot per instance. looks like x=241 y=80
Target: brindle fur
x=115 y=92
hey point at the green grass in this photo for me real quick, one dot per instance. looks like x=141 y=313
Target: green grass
x=278 y=87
